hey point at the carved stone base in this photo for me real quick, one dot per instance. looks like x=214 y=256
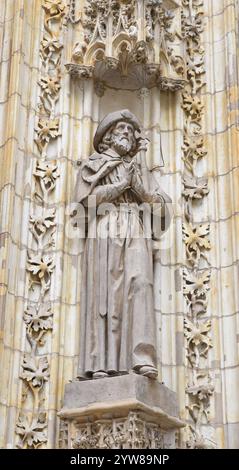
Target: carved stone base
x=124 y=412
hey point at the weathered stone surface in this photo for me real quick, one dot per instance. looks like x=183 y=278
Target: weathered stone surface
x=125 y=388
x=117 y=306
x=144 y=411
x=79 y=110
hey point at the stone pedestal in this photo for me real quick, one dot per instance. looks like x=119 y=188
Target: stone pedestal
x=123 y=412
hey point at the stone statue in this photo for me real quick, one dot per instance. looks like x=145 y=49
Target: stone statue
x=118 y=331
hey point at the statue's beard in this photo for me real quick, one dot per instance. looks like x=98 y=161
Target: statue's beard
x=121 y=144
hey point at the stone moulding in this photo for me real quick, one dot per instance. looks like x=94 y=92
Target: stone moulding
x=132 y=413
x=146 y=76
x=130 y=45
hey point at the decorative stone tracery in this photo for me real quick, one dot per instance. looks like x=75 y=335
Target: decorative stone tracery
x=130 y=45
x=131 y=432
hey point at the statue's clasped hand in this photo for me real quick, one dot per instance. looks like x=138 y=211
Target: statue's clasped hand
x=128 y=174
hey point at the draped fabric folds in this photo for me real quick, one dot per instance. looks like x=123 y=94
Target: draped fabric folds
x=117 y=311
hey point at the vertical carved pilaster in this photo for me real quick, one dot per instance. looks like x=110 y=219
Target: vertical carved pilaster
x=197 y=273
x=32 y=421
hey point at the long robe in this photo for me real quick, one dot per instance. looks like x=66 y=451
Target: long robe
x=117 y=320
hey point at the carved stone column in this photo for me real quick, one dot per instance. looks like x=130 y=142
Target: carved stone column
x=123 y=412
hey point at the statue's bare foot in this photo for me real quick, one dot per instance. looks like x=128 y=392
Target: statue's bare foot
x=100 y=374
x=148 y=371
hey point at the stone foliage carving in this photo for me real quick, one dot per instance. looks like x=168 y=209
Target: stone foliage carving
x=43 y=228
x=200 y=394
x=38 y=319
x=195 y=289
x=46 y=173
x=32 y=423
x=72 y=15
x=131 y=432
x=41 y=268
x=196 y=236
x=198 y=341
x=47 y=130
x=32 y=432
x=136 y=40
x=196 y=241
x=194 y=188
x=35 y=371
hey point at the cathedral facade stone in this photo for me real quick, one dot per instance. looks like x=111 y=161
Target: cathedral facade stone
x=130 y=103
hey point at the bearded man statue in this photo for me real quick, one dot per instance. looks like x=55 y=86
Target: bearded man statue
x=117 y=319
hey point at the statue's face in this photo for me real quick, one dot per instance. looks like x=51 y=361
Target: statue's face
x=123 y=138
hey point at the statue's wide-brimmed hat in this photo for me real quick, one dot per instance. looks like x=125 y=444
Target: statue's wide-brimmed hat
x=110 y=120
